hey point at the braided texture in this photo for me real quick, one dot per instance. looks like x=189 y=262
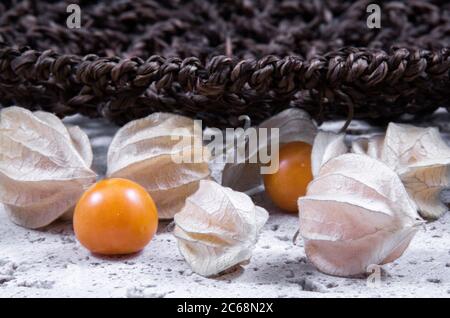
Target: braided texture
x=218 y=60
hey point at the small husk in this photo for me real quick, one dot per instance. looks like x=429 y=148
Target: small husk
x=218 y=228
x=146 y=151
x=355 y=214
x=421 y=158
x=44 y=166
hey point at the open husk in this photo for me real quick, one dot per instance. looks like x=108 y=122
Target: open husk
x=293 y=124
x=356 y=213
x=218 y=228
x=44 y=166
x=421 y=158
x=147 y=151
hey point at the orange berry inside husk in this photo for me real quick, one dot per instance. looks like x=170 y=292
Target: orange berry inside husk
x=115 y=216
x=285 y=186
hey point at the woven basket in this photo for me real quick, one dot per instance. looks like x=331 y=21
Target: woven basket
x=217 y=60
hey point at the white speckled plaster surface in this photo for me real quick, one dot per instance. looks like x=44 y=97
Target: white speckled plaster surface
x=51 y=263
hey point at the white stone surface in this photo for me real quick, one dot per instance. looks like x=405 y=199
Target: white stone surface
x=51 y=263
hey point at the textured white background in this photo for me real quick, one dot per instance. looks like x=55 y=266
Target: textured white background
x=51 y=263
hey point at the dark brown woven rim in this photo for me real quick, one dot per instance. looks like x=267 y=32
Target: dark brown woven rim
x=225 y=59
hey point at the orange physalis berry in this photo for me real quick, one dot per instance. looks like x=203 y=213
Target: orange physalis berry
x=289 y=183
x=115 y=216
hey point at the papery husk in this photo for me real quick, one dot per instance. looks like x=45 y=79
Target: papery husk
x=44 y=167
x=294 y=125
x=356 y=213
x=218 y=228
x=420 y=156
x=81 y=143
x=144 y=150
x=373 y=146
x=326 y=146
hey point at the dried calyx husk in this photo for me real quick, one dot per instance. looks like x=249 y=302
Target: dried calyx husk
x=421 y=158
x=326 y=146
x=44 y=166
x=372 y=146
x=355 y=214
x=218 y=228
x=293 y=124
x=165 y=154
